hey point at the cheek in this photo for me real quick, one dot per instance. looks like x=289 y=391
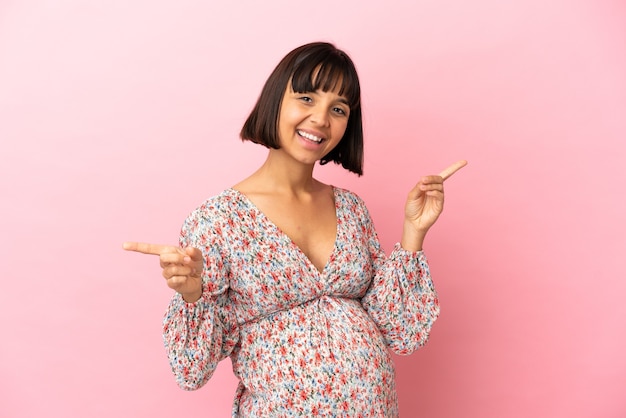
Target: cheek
x=286 y=123
x=283 y=120
x=290 y=113
x=340 y=129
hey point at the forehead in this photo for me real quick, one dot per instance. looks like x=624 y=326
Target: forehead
x=336 y=92
x=327 y=77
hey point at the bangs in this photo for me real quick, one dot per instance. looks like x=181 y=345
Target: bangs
x=327 y=72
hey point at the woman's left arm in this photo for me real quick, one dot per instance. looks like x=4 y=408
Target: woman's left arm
x=401 y=299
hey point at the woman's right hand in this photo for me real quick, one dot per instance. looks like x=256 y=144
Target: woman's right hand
x=182 y=268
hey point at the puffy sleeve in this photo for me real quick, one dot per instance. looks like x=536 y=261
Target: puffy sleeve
x=197 y=336
x=401 y=299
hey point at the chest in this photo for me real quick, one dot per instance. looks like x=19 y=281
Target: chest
x=312 y=227
x=270 y=270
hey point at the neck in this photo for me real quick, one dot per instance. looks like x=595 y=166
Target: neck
x=284 y=174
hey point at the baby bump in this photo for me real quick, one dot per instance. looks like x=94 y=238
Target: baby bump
x=323 y=354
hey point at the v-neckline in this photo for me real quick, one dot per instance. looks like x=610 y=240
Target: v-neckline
x=293 y=244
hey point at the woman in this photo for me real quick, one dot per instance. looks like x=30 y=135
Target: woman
x=285 y=274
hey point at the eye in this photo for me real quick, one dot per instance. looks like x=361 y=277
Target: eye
x=306 y=99
x=340 y=111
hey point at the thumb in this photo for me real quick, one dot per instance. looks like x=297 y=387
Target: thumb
x=415 y=192
x=193 y=253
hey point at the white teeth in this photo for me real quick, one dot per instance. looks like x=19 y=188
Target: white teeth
x=310 y=137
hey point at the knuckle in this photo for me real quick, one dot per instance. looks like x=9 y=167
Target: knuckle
x=170 y=271
x=169 y=258
x=177 y=282
x=173 y=282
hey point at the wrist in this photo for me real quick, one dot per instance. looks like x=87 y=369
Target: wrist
x=192 y=297
x=412 y=239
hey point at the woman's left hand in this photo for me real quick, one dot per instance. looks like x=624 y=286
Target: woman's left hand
x=425 y=202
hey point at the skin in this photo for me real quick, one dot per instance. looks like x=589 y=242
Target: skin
x=423 y=206
x=284 y=189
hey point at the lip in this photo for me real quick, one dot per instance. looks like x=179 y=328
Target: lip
x=313 y=133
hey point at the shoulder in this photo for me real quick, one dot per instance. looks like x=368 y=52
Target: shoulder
x=216 y=211
x=352 y=205
x=348 y=197
x=212 y=224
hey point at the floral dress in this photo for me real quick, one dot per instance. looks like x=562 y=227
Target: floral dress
x=302 y=342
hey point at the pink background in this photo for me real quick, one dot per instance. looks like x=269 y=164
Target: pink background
x=118 y=118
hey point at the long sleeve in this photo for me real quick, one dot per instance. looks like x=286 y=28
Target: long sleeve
x=199 y=335
x=401 y=298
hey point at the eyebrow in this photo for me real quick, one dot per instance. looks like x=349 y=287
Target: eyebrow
x=344 y=101
x=341 y=99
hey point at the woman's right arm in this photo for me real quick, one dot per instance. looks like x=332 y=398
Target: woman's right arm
x=199 y=328
x=197 y=336
x=200 y=334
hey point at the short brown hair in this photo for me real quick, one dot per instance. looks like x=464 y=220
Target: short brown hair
x=311 y=67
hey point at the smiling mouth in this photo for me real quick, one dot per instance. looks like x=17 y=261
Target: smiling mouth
x=310 y=137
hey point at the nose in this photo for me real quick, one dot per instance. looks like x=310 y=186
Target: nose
x=319 y=116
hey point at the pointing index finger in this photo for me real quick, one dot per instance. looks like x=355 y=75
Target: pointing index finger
x=146 y=248
x=445 y=174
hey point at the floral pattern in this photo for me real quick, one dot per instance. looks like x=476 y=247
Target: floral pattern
x=302 y=342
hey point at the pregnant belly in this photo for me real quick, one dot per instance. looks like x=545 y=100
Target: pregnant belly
x=324 y=355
